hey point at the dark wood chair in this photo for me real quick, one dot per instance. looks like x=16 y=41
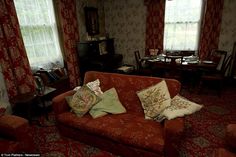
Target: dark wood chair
x=187 y=53
x=217 y=76
x=217 y=55
x=142 y=67
x=174 y=71
x=233 y=67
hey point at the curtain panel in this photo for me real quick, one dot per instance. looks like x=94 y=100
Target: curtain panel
x=14 y=62
x=66 y=13
x=210 y=30
x=155 y=24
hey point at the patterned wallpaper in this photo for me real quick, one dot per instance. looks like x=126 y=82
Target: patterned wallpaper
x=228 y=26
x=125 y=20
x=3 y=93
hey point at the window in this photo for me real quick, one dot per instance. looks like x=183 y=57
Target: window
x=182 y=24
x=39 y=31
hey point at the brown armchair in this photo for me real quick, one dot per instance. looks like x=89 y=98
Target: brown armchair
x=230 y=139
x=15 y=136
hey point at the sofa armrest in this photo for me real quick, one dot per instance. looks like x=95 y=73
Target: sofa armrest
x=59 y=103
x=174 y=127
x=231 y=135
x=17 y=129
x=13 y=126
x=222 y=152
x=173 y=131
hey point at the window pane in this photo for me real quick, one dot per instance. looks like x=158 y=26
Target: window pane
x=182 y=21
x=37 y=23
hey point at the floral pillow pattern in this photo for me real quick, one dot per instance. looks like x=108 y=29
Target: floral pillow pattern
x=83 y=100
x=180 y=107
x=154 y=100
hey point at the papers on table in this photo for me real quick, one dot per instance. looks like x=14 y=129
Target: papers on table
x=126 y=68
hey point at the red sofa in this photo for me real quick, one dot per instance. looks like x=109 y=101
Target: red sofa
x=127 y=134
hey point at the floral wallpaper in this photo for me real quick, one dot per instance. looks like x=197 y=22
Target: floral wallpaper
x=125 y=21
x=3 y=93
x=228 y=28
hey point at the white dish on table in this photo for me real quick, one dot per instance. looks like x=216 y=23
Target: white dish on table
x=207 y=62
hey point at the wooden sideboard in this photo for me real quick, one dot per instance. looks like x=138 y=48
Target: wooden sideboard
x=98 y=55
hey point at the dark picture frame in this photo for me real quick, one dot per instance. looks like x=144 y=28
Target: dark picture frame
x=91 y=20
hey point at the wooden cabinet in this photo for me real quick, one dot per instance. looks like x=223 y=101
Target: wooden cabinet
x=95 y=48
x=98 y=55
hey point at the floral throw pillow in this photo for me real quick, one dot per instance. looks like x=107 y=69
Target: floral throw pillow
x=83 y=100
x=180 y=107
x=154 y=100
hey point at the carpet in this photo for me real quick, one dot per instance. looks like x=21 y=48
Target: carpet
x=204 y=130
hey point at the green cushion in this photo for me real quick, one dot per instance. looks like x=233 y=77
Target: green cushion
x=82 y=101
x=110 y=103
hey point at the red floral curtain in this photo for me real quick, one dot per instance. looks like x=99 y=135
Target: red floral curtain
x=210 y=32
x=155 y=23
x=14 y=62
x=66 y=10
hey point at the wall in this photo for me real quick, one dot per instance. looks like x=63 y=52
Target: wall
x=228 y=28
x=3 y=93
x=125 y=20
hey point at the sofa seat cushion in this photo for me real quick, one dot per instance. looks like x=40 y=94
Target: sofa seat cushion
x=125 y=128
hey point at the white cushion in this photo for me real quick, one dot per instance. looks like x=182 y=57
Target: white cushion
x=154 y=100
x=180 y=107
x=94 y=86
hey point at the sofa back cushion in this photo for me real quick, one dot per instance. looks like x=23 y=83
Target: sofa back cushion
x=127 y=86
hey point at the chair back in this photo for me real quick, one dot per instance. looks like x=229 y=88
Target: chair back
x=218 y=55
x=226 y=64
x=138 y=59
x=187 y=53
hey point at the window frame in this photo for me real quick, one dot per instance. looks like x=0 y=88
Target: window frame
x=47 y=41
x=198 y=30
